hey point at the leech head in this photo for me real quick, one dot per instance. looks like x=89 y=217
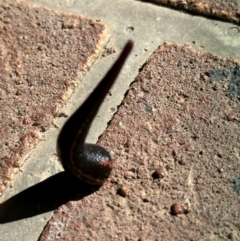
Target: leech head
x=89 y=162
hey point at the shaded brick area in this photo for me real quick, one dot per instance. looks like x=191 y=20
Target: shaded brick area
x=227 y=10
x=175 y=142
x=42 y=55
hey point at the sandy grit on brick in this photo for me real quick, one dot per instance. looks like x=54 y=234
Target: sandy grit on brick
x=42 y=55
x=223 y=9
x=181 y=116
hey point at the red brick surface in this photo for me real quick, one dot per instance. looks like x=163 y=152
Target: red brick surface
x=42 y=55
x=224 y=9
x=175 y=142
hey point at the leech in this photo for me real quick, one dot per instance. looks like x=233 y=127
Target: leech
x=89 y=162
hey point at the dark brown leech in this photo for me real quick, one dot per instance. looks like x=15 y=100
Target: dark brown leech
x=88 y=162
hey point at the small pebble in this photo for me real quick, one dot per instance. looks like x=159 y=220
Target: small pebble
x=230 y=117
x=220 y=170
x=159 y=173
x=177 y=209
x=123 y=191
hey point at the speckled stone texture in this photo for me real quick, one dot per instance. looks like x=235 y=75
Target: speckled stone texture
x=42 y=55
x=181 y=117
x=224 y=9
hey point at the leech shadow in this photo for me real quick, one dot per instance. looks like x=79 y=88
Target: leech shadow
x=45 y=196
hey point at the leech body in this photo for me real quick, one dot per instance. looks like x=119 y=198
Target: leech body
x=88 y=162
